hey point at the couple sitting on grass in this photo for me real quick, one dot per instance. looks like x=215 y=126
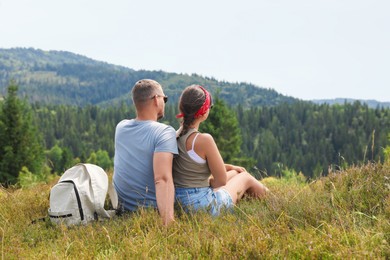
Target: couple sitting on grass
x=154 y=166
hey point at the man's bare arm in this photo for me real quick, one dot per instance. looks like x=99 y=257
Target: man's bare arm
x=165 y=191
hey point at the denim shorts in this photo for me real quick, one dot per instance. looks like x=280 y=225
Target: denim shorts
x=194 y=199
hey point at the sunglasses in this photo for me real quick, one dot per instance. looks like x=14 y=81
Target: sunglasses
x=164 y=97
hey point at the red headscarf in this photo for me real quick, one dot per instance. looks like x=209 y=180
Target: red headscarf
x=203 y=109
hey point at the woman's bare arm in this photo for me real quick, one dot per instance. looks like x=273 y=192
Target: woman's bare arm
x=207 y=149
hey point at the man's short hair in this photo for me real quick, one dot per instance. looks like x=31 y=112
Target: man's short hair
x=143 y=90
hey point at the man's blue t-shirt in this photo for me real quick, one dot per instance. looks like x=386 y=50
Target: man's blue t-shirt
x=135 y=143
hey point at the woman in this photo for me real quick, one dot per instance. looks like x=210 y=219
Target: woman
x=202 y=180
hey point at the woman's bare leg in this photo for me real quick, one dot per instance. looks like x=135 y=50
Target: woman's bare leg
x=230 y=174
x=243 y=183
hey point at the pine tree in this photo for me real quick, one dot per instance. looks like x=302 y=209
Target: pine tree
x=222 y=124
x=54 y=158
x=20 y=143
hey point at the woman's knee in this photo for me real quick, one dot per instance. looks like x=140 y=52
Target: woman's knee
x=255 y=186
x=248 y=177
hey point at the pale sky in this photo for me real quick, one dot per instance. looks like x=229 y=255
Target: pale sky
x=308 y=49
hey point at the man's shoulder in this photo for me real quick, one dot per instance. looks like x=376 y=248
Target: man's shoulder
x=164 y=132
x=163 y=127
x=146 y=127
x=125 y=122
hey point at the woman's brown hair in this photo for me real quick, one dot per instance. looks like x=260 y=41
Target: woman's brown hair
x=191 y=100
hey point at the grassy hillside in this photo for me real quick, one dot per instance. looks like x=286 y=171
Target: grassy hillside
x=344 y=215
x=60 y=77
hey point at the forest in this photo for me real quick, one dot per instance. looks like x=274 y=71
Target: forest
x=301 y=136
x=64 y=108
x=59 y=77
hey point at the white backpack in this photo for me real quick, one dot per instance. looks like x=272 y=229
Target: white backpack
x=79 y=196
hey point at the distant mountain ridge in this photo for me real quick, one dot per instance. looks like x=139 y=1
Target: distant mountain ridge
x=61 y=77
x=340 y=101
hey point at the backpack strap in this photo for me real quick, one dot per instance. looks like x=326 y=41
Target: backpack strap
x=99 y=208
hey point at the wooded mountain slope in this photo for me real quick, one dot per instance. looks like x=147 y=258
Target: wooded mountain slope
x=59 y=77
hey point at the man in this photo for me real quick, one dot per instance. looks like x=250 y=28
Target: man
x=144 y=151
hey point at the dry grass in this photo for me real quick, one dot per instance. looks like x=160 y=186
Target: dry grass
x=344 y=215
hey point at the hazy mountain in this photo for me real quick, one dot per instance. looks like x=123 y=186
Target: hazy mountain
x=62 y=77
x=340 y=101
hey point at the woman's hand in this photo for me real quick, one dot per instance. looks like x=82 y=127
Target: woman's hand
x=238 y=169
